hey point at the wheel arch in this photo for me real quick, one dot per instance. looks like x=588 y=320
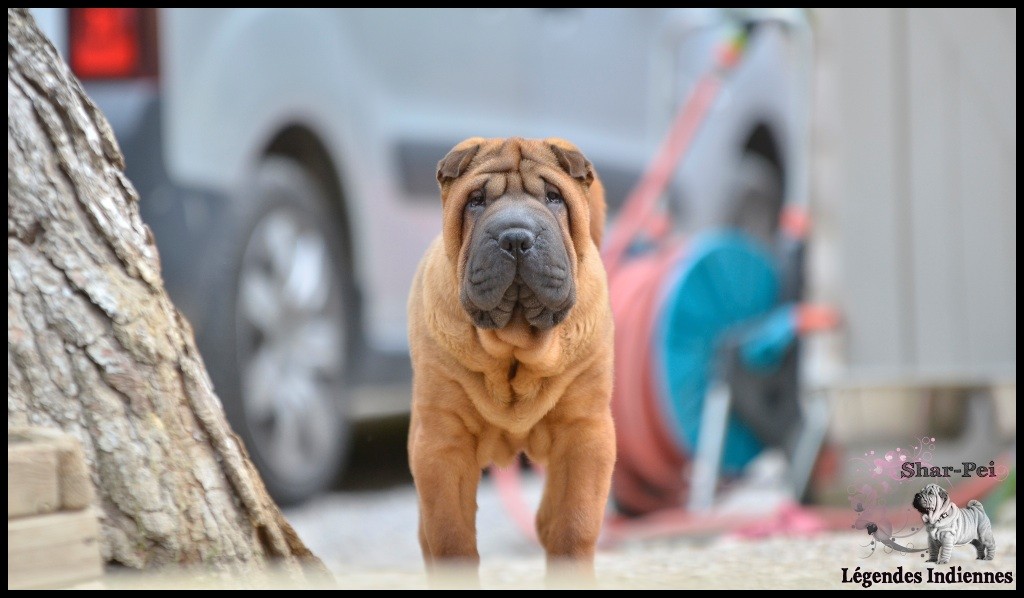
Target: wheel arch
x=299 y=142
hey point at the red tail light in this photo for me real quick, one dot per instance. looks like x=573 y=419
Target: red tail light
x=112 y=43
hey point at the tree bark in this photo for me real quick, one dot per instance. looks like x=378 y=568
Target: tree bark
x=96 y=348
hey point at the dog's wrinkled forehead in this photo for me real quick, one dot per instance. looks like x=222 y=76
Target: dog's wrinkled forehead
x=511 y=157
x=505 y=156
x=509 y=170
x=517 y=167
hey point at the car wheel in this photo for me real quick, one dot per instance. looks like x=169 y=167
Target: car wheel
x=279 y=342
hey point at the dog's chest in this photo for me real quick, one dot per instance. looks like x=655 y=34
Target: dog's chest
x=513 y=383
x=498 y=446
x=516 y=401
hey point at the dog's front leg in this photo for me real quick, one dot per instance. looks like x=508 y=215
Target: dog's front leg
x=945 y=548
x=443 y=462
x=573 y=506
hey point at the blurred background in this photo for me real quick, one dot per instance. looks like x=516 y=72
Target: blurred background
x=812 y=248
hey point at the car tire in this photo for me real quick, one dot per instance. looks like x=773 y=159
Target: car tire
x=280 y=329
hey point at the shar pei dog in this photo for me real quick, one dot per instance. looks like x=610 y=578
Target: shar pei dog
x=948 y=525
x=510 y=333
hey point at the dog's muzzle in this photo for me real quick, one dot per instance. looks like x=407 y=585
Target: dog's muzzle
x=518 y=261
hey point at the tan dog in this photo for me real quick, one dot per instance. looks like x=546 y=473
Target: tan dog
x=511 y=331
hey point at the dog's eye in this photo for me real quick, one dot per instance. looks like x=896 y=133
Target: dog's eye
x=552 y=195
x=477 y=199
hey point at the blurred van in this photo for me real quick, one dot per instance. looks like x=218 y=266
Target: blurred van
x=286 y=163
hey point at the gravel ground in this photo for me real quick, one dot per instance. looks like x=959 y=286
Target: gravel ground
x=375 y=531
x=368 y=539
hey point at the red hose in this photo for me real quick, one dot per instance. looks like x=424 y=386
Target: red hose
x=648 y=472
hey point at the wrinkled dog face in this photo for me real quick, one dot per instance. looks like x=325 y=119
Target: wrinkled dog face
x=931 y=498
x=520 y=202
x=517 y=257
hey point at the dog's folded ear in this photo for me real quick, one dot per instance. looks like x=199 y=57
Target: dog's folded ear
x=573 y=162
x=458 y=160
x=576 y=165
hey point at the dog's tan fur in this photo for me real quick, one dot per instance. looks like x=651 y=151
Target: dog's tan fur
x=481 y=397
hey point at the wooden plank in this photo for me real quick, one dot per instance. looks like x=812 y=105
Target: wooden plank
x=73 y=481
x=32 y=486
x=76 y=489
x=54 y=550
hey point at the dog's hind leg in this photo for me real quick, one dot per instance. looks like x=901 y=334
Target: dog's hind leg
x=986 y=542
x=989 y=553
x=986 y=552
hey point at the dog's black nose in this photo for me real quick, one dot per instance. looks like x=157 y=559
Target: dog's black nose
x=516 y=241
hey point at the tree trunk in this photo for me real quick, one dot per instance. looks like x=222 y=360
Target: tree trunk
x=96 y=348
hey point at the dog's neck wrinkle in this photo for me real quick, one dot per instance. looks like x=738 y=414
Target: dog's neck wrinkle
x=936 y=519
x=518 y=340
x=519 y=334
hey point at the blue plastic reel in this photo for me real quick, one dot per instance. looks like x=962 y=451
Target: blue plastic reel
x=726 y=280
